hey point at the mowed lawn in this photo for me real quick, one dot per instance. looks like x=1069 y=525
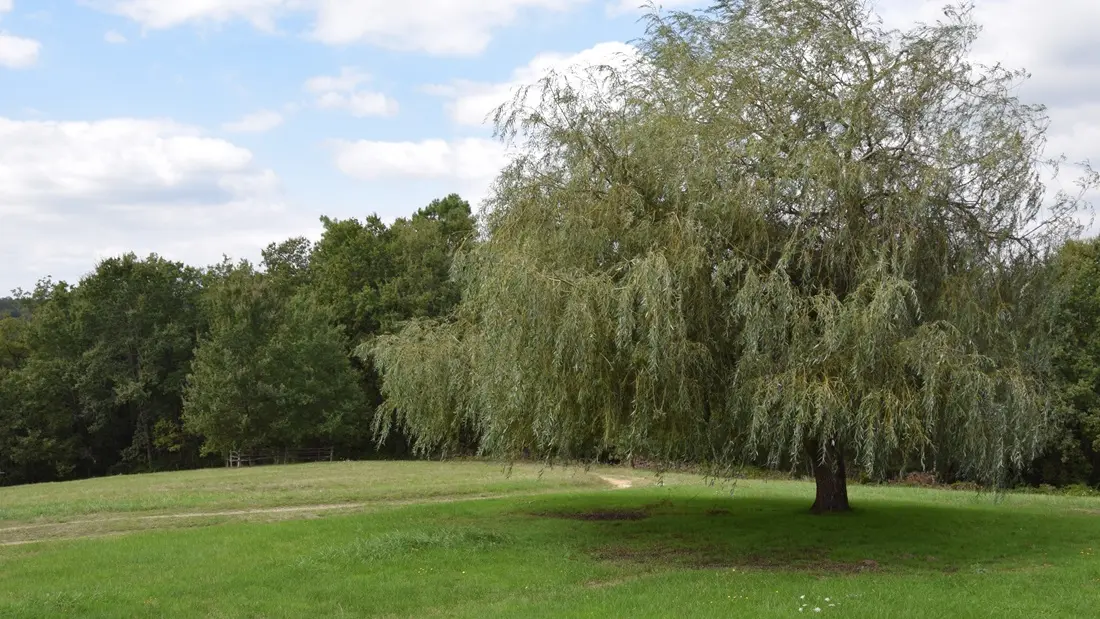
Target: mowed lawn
x=389 y=539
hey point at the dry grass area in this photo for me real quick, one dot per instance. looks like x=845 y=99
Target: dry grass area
x=117 y=505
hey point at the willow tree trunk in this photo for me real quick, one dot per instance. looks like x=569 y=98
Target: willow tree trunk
x=831 y=478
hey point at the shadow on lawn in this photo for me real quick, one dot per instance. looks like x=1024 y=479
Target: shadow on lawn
x=780 y=535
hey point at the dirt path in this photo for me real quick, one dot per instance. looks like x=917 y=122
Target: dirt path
x=617 y=482
x=24 y=542
x=85 y=528
x=232 y=512
x=57 y=531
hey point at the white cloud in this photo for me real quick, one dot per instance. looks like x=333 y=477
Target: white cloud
x=468 y=165
x=159 y=14
x=445 y=27
x=470 y=159
x=622 y=7
x=434 y=26
x=114 y=37
x=348 y=79
x=71 y=192
x=472 y=102
x=18 y=52
x=342 y=92
x=359 y=103
x=256 y=122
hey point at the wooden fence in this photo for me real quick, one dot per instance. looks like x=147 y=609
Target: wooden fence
x=278 y=456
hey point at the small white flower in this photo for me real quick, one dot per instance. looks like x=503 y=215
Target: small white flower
x=817 y=610
x=826 y=599
x=801 y=597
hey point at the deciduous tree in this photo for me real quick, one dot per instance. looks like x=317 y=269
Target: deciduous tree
x=782 y=233
x=1074 y=456
x=273 y=372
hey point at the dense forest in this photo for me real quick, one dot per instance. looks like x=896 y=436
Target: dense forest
x=148 y=364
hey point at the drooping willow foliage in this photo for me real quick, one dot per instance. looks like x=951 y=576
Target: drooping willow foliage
x=779 y=225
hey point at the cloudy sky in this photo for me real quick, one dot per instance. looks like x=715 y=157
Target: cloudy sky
x=193 y=128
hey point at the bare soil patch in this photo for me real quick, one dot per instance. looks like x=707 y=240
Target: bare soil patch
x=715 y=558
x=611 y=582
x=598 y=515
x=617 y=482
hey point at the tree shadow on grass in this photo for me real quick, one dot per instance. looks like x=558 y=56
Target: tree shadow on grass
x=779 y=534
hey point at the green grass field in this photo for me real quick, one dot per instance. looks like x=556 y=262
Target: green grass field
x=411 y=539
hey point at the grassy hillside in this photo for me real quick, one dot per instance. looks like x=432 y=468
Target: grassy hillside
x=414 y=540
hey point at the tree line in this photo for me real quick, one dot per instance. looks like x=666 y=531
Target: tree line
x=782 y=235
x=150 y=364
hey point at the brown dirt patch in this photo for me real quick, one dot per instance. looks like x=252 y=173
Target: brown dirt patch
x=617 y=482
x=611 y=582
x=812 y=566
x=716 y=558
x=1024 y=569
x=699 y=558
x=599 y=515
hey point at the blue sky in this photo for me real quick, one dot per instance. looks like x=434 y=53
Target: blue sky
x=193 y=128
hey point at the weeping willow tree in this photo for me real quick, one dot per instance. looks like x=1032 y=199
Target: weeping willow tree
x=780 y=233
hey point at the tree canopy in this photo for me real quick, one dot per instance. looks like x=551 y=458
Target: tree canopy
x=9 y=307
x=1074 y=456
x=273 y=371
x=99 y=379
x=93 y=375
x=781 y=233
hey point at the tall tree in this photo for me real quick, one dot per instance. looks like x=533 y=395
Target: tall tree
x=43 y=434
x=420 y=250
x=348 y=266
x=1074 y=455
x=138 y=321
x=273 y=372
x=782 y=233
x=101 y=387
x=375 y=277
